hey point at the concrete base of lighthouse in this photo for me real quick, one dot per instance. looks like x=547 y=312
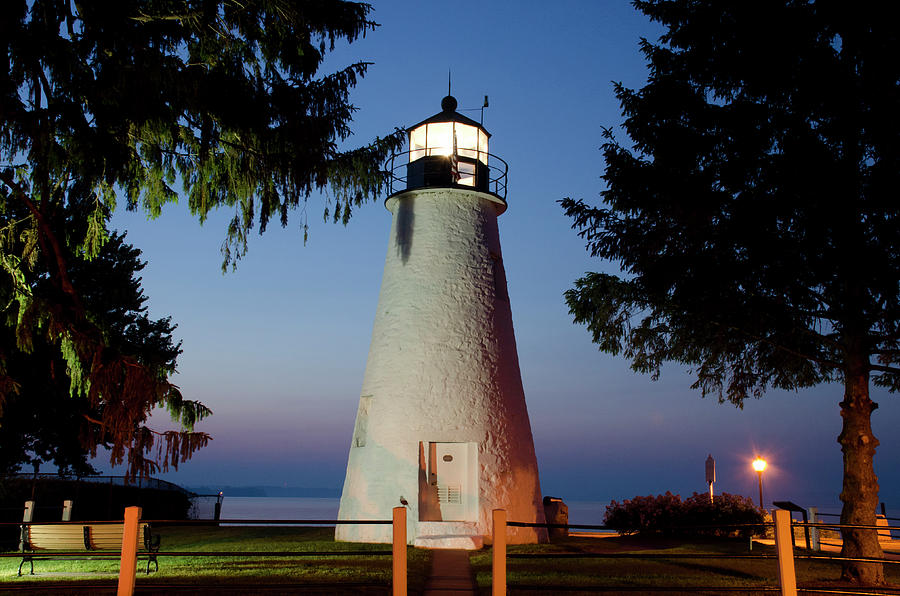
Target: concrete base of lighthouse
x=458 y=535
x=442 y=425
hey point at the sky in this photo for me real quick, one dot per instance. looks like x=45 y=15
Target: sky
x=278 y=348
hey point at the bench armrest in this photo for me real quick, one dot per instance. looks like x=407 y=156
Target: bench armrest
x=151 y=541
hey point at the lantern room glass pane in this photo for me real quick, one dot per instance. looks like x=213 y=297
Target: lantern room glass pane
x=436 y=138
x=466 y=174
x=482 y=147
x=440 y=138
x=417 y=143
x=466 y=141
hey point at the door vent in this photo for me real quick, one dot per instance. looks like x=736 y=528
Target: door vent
x=449 y=494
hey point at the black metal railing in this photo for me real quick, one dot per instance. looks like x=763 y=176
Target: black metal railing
x=350 y=551
x=524 y=557
x=396 y=170
x=806 y=555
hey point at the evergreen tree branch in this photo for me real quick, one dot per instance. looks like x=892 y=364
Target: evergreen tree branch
x=61 y=266
x=885 y=369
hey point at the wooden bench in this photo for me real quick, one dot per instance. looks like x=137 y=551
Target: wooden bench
x=81 y=536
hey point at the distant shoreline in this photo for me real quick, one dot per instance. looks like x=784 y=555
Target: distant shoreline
x=280 y=508
x=267 y=491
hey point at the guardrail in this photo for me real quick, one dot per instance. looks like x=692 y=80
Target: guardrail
x=783 y=526
x=129 y=554
x=784 y=553
x=396 y=173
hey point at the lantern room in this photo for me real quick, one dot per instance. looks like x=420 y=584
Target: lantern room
x=448 y=149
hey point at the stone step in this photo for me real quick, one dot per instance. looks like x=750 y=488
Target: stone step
x=450 y=541
x=448 y=534
x=439 y=528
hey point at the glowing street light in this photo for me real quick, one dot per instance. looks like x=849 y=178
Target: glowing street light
x=710 y=475
x=759 y=464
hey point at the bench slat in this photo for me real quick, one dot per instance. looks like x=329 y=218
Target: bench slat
x=56 y=537
x=109 y=537
x=71 y=536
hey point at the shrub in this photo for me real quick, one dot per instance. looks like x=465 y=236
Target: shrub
x=647 y=515
x=668 y=514
x=725 y=510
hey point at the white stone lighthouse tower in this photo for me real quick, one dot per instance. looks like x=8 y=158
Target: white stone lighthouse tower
x=442 y=424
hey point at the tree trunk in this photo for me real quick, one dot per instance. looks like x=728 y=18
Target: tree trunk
x=860 y=490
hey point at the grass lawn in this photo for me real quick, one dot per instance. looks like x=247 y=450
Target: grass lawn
x=341 y=574
x=528 y=573
x=564 y=574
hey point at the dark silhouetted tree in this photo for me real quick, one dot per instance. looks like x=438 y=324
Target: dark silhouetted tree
x=754 y=215
x=43 y=421
x=219 y=101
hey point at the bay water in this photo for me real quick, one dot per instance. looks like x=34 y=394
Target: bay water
x=580 y=512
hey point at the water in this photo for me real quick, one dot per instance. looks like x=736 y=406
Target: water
x=587 y=512
x=580 y=512
x=279 y=508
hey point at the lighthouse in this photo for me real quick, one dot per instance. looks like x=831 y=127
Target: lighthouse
x=442 y=427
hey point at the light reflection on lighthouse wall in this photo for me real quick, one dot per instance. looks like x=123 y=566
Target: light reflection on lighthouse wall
x=442 y=369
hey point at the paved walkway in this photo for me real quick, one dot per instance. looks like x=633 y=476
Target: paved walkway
x=451 y=574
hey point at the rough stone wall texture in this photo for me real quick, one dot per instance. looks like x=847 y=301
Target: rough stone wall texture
x=442 y=367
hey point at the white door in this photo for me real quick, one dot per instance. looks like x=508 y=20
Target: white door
x=449 y=473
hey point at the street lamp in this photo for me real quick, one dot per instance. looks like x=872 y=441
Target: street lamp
x=759 y=464
x=710 y=475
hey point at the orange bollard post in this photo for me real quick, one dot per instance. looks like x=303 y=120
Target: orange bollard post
x=128 y=565
x=785 y=550
x=399 y=551
x=498 y=567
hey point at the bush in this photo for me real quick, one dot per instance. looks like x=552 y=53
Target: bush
x=725 y=510
x=648 y=515
x=668 y=514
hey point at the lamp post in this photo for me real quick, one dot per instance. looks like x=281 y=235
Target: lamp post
x=759 y=464
x=710 y=475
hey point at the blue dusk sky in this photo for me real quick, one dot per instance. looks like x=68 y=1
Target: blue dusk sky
x=278 y=348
